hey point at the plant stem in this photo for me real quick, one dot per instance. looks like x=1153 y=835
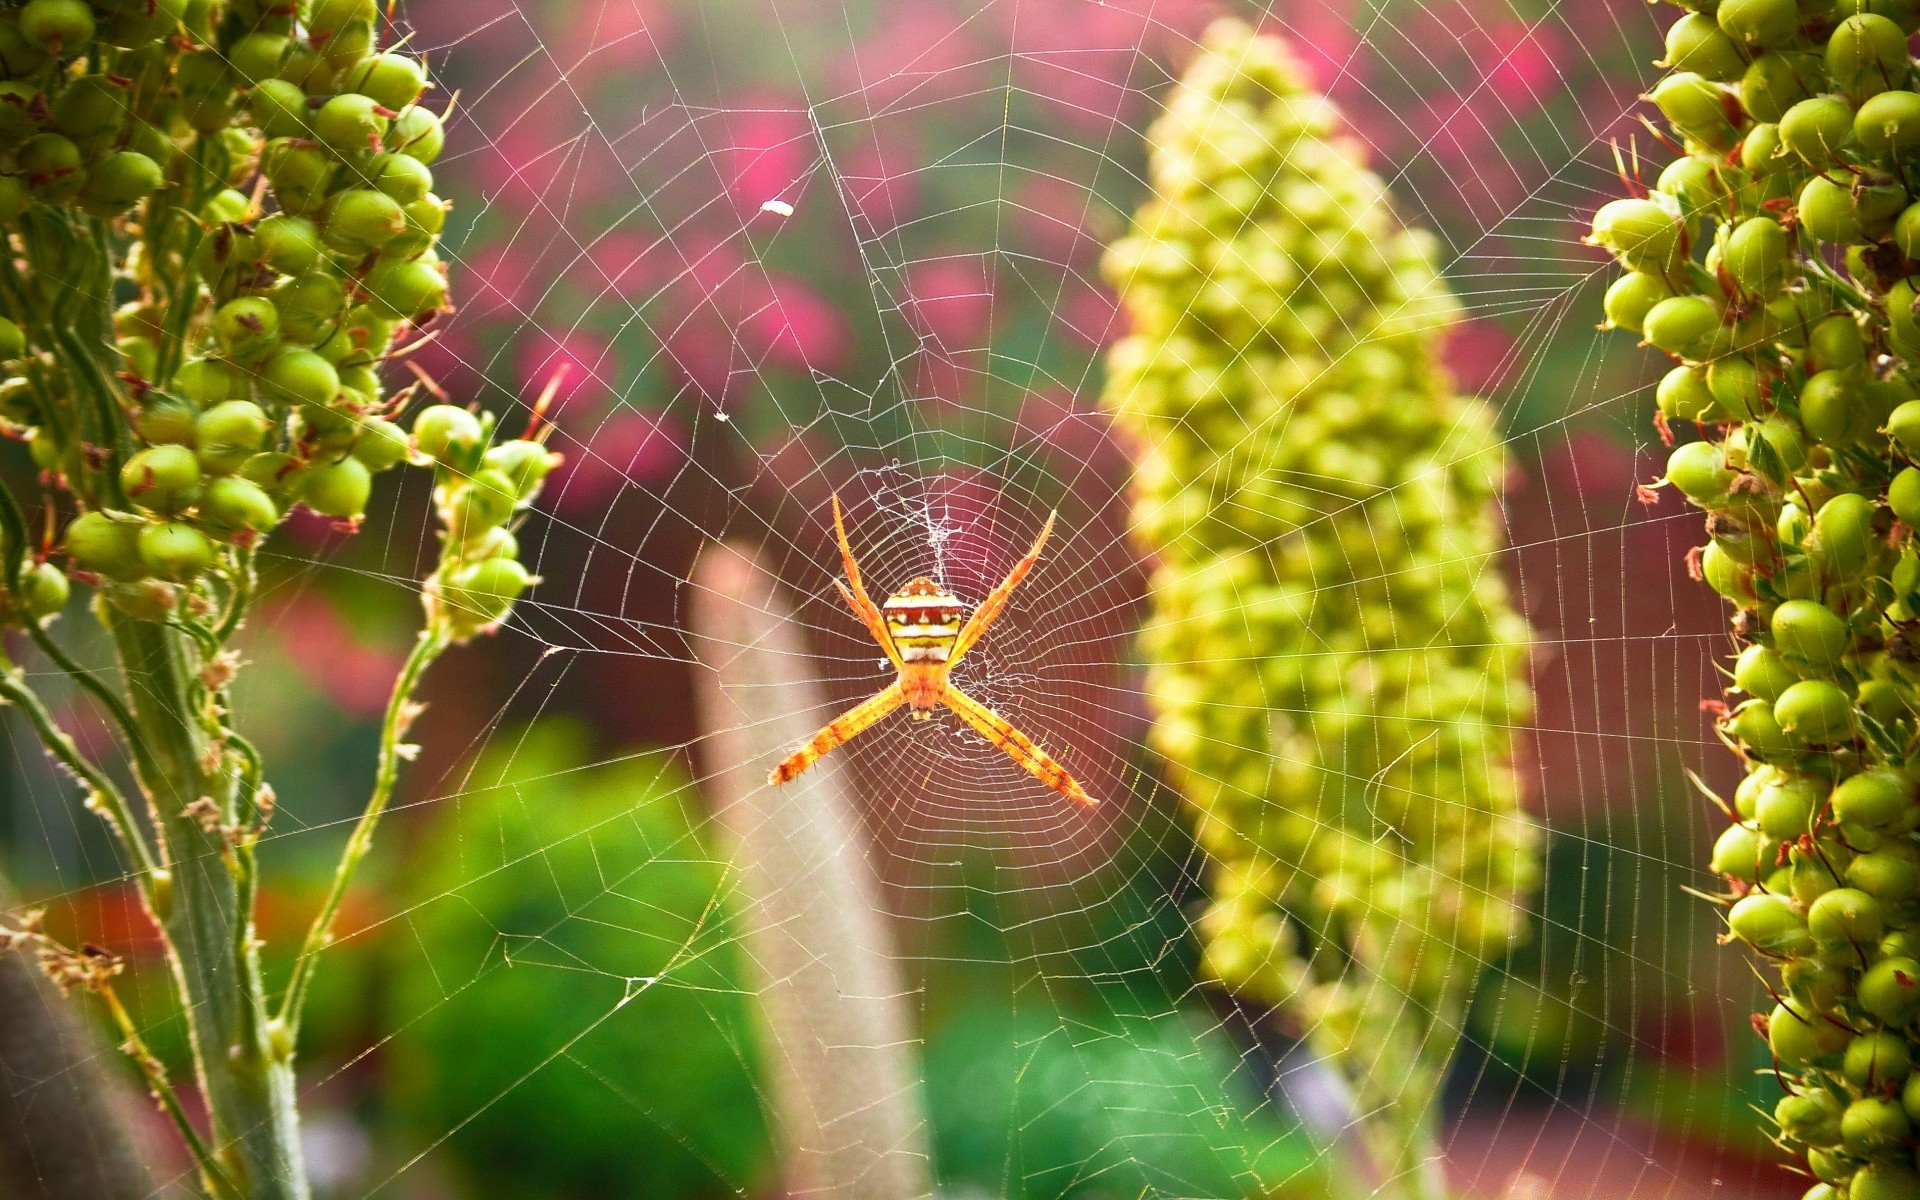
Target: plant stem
x=433 y=640
x=118 y=812
x=249 y=1088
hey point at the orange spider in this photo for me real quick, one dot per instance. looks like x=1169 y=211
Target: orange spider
x=920 y=631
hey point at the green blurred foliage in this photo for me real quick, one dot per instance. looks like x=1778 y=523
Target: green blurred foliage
x=1033 y=1103
x=566 y=1007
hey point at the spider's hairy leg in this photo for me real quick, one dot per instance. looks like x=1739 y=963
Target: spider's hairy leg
x=1019 y=747
x=857 y=598
x=843 y=729
x=989 y=610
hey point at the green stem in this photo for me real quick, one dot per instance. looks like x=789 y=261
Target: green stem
x=118 y=812
x=433 y=640
x=213 y=1176
x=247 y=1082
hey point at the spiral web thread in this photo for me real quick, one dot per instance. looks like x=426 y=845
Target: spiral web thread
x=635 y=163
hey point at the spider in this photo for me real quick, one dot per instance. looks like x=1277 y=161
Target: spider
x=919 y=629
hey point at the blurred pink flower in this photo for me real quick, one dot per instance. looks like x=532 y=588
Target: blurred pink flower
x=328 y=652
x=1052 y=214
x=450 y=359
x=586 y=358
x=615 y=37
x=1525 y=69
x=920 y=53
x=1074 y=428
x=1481 y=355
x=769 y=149
x=531 y=164
x=1077 y=58
x=1593 y=466
x=702 y=349
x=498 y=282
x=880 y=180
x=1089 y=313
x=628 y=263
x=950 y=301
x=495 y=29
x=627 y=449
x=1322 y=37
x=795 y=327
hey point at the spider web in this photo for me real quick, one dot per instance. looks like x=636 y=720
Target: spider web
x=790 y=249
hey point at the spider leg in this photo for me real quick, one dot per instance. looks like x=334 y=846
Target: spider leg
x=857 y=599
x=1019 y=747
x=842 y=730
x=990 y=608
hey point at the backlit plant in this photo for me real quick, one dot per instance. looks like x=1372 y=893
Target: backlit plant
x=218 y=225
x=1336 y=671
x=1774 y=261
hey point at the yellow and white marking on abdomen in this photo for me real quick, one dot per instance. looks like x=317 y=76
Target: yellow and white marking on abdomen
x=924 y=620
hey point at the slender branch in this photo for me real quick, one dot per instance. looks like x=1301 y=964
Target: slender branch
x=244 y=581
x=119 y=813
x=433 y=640
x=135 y=1048
x=143 y=754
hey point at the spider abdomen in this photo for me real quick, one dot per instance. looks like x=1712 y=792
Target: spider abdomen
x=924 y=620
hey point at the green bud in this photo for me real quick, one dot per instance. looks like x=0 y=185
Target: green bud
x=43 y=590
x=1777 y=80
x=1882 y=1180
x=338 y=489
x=1739 y=852
x=162 y=479
x=443 y=432
x=1874 y=799
x=229 y=434
x=349 y=122
x=1903 y=497
x=1816 y=128
x=1632 y=296
x=1888 y=125
x=58 y=27
x=1828 y=212
x=379 y=443
x=483 y=594
x=1890 y=990
x=1682 y=325
x=173 y=550
x=238 y=509
x=1810 y=634
x=1797 y=1043
x=418 y=134
x=1696 y=43
x=525 y=463
x=1697 y=108
x=392 y=79
x=1845 y=916
x=1756 y=255
x=1643 y=234
x=248 y=328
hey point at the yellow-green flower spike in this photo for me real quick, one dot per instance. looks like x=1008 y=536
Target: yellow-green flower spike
x=1336 y=670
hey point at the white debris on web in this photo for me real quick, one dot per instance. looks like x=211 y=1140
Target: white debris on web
x=779 y=208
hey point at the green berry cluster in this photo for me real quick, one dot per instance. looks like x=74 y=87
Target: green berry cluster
x=1777 y=263
x=219 y=223
x=1335 y=667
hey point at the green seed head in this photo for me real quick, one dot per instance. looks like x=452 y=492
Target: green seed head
x=443 y=432
x=1809 y=634
x=1643 y=234
x=162 y=479
x=174 y=550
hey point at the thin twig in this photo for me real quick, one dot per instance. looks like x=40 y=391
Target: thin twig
x=433 y=640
